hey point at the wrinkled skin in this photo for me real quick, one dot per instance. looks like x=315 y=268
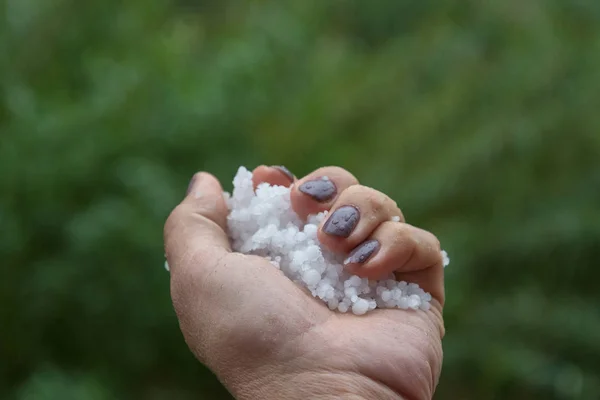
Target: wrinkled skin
x=266 y=338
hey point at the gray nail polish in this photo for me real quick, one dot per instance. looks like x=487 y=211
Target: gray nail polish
x=285 y=171
x=342 y=222
x=363 y=252
x=321 y=190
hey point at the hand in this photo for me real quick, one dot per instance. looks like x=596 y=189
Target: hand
x=266 y=338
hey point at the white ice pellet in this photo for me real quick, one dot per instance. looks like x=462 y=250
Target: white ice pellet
x=311 y=277
x=333 y=304
x=386 y=295
x=445 y=258
x=360 y=307
x=355 y=281
x=321 y=290
x=262 y=222
x=300 y=237
x=310 y=230
x=372 y=305
x=330 y=294
x=350 y=291
x=414 y=301
x=403 y=303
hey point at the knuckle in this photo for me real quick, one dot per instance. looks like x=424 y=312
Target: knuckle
x=379 y=202
x=410 y=240
x=337 y=171
x=172 y=235
x=431 y=241
x=373 y=199
x=401 y=235
x=434 y=241
x=353 y=192
x=411 y=243
x=174 y=220
x=429 y=247
x=170 y=225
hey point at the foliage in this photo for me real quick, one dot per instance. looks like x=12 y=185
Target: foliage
x=478 y=117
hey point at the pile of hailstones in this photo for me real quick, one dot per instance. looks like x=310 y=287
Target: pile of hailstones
x=263 y=223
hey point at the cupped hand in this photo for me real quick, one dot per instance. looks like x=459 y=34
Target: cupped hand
x=265 y=337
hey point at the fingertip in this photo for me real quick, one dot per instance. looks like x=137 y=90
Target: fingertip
x=207 y=177
x=260 y=175
x=286 y=172
x=276 y=175
x=319 y=190
x=203 y=181
x=205 y=197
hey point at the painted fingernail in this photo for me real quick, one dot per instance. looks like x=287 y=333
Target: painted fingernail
x=191 y=185
x=342 y=222
x=285 y=171
x=363 y=252
x=321 y=190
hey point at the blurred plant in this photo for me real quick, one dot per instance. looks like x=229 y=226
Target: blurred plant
x=478 y=117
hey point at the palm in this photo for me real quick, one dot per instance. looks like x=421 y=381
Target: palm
x=408 y=341
x=401 y=349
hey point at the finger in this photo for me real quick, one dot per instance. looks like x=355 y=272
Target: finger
x=357 y=212
x=196 y=227
x=273 y=175
x=412 y=254
x=319 y=190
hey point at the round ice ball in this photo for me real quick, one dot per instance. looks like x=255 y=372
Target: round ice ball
x=311 y=277
x=360 y=307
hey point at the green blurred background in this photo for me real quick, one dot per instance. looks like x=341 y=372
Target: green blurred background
x=479 y=117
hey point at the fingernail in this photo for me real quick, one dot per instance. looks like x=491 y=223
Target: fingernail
x=342 y=222
x=285 y=171
x=321 y=190
x=363 y=252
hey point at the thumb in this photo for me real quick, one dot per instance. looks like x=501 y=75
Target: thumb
x=195 y=232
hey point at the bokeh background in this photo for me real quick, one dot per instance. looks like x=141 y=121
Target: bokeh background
x=481 y=118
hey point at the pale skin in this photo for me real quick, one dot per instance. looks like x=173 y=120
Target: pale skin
x=266 y=338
